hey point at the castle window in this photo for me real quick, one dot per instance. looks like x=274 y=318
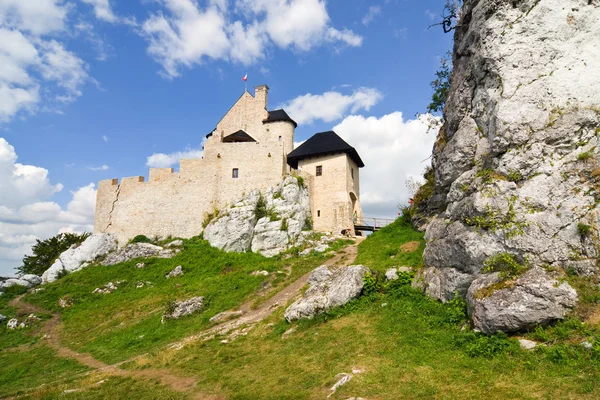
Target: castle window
x=280 y=138
x=352 y=172
x=235 y=173
x=318 y=213
x=319 y=170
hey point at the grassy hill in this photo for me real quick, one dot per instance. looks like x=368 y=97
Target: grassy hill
x=400 y=343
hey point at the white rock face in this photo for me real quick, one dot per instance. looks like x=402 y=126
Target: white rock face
x=138 y=250
x=535 y=298
x=177 y=271
x=513 y=163
x=73 y=259
x=28 y=281
x=238 y=228
x=528 y=344
x=327 y=289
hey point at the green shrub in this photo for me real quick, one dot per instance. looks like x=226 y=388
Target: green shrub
x=308 y=225
x=45 y=252
x=515 y=176
x=478 y=345
x=504 y=263
x=586 y=155
x=141 y=239
x=300 y=181
x=370 y=284
x=284 y=225
x=209 y=216
x=583 y=229
x=261 y=208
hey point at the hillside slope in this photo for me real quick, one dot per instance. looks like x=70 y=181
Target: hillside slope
x=393 y=341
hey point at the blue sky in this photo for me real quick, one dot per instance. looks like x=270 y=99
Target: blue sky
x=93 y=89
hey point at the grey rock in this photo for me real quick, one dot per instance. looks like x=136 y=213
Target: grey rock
x=34 y=280
x=584 y=268
x=106 y=289
x=443 y=283
x=328 y=289
x=140 y=265
x=183 y=308
x=16 y=282
x=535 y=298
x=260 y=273
x=177 y=271
x=343 y=378
x=12 y=324
x=528 y=344
x=138 y=250
x=75 y=258
x=391 y=274
x=65 y=301
x=586 y=345
x=226 y=315
x=3 y=318
x=174 y=243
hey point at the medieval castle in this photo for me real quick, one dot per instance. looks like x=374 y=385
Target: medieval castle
x=251 y=148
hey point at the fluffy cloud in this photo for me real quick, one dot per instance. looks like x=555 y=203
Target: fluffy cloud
x=102 y=9
x=330 y=106
x=27 y=215
x=162 y=160
x=33 y=68
x=373 y=12
x=187 y=34
x=393 y=150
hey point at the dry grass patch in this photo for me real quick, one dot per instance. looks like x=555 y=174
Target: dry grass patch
x=410 y=247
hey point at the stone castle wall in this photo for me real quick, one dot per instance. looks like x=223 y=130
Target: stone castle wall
x=176 y=203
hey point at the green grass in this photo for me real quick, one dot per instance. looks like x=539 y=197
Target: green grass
x=411 y=348
x=125 y=323
x=382 y=249
x=22 y=370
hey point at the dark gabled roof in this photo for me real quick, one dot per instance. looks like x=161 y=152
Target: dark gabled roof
x=279 y=115
x=210 y=134
x=321 y=144
x=239 y=136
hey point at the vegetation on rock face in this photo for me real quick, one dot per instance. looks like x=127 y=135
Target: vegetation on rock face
x=45 y=252
x=141 y=239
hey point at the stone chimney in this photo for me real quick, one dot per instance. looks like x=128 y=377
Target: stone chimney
x=261 y=94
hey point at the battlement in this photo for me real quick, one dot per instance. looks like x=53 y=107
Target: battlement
x=157 y=174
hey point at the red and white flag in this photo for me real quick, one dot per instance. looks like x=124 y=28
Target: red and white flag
x=245 y=78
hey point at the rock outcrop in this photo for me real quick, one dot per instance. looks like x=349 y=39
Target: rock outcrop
x=182 y=308
x=268 y=224
x=28 y=280
x=328 y=288
x=516 y=163
x=77 y=257
x=138 y=250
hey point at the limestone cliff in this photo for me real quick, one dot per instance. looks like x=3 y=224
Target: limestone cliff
x=516 y=164
x=268 y=224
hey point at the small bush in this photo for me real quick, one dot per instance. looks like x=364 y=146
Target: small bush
x=300 y=181
x=277 y=195
x=209 y=216
x=141 y=239
x=478 y=345
x=370 y=284
x=583 y=229
x=284 y=225
x=308 y=225
x=504 y=263
x=515 y=176
x=586 y=155
x=261 y=208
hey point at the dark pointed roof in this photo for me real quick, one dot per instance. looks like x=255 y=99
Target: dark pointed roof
x=279 y=115
x=239 y=136
x=321 y=144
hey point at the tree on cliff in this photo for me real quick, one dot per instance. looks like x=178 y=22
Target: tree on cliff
x=45 y=252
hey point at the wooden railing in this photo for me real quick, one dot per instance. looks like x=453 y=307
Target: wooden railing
x=371 y=223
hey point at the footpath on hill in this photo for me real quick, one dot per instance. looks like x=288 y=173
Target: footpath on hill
x=50 y=332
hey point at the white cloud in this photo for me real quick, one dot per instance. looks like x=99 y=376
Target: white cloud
x=370 y=16
x=393 y=150
x=102 y=9
x=186 y=34
x=105 y=138
x=26 y=214
x=330 y=106
x=101 y=168
x=162 y=160
x=35 y=16
x=34 y=69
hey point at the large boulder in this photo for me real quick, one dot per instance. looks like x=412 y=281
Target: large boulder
x=77 y=257
x=534 y=298
x=138 y=250
x=516 y=162
x=243 y=226
x=328 y=288
x=28 y=280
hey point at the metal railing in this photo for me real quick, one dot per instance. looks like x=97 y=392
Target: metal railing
x=372 y=223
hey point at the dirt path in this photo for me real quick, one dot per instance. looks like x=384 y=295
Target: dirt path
x=252 y=317
x=50 y=331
